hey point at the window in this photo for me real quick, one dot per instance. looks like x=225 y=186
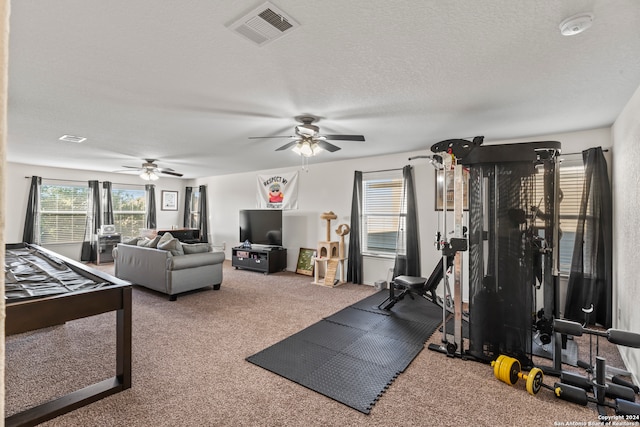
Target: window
x=129 y=210
x=571 y=182
x=383 y=213
x=571 y=179
x=194 y=217
x=63 y=213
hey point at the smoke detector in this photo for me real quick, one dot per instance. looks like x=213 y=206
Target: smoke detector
x=264 y=24
x=576 y=24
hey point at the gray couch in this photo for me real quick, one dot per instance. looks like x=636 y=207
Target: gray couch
x=169 y=271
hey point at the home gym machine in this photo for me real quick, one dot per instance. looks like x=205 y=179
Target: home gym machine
x=512 y=239
x=578 y=389
x=511 y=247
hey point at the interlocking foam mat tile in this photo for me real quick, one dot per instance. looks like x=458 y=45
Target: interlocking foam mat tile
x=354 y=355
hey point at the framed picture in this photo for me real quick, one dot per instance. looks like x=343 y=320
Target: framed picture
x=169 y=201
x=305 y=261
x=440 y=187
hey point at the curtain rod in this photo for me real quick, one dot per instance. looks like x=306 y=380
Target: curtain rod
x=384 y=170
x=604 y=150
x=76 y=180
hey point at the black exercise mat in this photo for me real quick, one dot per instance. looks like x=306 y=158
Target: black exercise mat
x=353 y=355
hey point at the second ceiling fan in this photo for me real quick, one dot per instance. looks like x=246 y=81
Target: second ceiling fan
x=308 y=141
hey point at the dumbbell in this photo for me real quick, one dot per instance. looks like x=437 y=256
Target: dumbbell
x=508 y=370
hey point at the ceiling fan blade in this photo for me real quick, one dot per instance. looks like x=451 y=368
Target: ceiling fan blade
x=132 y=167
x=345 y=137
x=266 y=137
x=327 y=146
x=287 y=146
x=168 y=172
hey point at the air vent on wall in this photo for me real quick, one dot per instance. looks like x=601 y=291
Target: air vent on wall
x=264 y=24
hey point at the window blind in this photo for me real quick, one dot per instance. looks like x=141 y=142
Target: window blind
x=571 y=181
x=129 y=210
x=63 y=213
x=382 y=211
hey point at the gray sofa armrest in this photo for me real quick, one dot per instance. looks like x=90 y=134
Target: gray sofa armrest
x=180 y=262
x=143 y=266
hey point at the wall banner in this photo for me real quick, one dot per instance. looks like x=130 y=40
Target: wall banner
x=278 y=191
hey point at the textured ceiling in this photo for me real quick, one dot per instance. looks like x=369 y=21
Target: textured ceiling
x=168 y=80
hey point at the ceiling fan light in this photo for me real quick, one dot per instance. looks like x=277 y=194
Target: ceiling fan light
x=149 y=176
x=316 y=149
x=305 y=149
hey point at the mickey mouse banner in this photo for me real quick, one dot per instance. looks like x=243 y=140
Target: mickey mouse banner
x=278 y=191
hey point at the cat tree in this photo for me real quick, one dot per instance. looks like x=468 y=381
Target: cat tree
x=331 y=254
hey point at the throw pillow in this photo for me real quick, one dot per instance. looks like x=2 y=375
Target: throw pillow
x=195 y=248
x=149 y=243
x=164 y=238
x=132 y=241
x=174 y=246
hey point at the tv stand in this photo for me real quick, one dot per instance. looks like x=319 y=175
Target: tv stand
x=266 y=259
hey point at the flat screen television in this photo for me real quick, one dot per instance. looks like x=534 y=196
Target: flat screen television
x=261 y=226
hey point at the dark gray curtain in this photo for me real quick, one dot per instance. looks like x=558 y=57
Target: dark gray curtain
x=31 y=232
x=88 y=251
x=408 y=249
x=151 y=205
x=354 y=258
x=186 y=222
x=590 y=279
x=202 y=214
x=107 y=214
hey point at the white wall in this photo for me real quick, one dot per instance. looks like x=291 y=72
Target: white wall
x=328 y=187
x=17 y=192
x=626 y=225
x=323 y=187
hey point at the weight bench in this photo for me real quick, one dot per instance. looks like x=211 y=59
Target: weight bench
x=413 y=285
x=408 y=285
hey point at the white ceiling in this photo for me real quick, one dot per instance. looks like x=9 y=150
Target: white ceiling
x=168 y=80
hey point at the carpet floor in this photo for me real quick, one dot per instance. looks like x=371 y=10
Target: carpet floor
x=189 y=366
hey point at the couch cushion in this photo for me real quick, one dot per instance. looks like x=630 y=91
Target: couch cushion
x=172 y=245
x=195 y=260
x=195 y=248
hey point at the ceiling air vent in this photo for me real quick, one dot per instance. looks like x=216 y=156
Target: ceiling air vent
x=264 y=24
x=72 y=138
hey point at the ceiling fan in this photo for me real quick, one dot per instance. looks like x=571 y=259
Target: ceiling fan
x=149 y=171
x=308 y=141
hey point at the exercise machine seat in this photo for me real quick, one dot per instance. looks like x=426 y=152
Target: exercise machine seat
x=407 y=285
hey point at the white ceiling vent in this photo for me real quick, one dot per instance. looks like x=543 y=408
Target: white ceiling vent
x=264 y=24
